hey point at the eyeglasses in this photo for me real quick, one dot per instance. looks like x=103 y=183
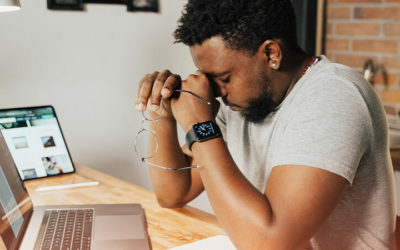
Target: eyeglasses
x=145 y=135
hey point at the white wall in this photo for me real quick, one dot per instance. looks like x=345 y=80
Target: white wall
x=87 y=64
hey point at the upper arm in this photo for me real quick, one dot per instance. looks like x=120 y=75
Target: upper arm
x=301 y=199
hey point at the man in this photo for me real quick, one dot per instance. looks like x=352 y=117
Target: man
x=304 y=159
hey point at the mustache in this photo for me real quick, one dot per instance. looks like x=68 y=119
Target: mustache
x=227 y=103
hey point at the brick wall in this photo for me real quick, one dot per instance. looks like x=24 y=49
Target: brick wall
x=358 y=30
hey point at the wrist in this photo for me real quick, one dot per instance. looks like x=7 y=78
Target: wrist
x=164 y=125
x=189 y=125
x=201 y=132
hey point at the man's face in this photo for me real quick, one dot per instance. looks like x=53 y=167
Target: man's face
x=241 y=80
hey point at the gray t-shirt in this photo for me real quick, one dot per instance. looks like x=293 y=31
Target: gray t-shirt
x=332 y=119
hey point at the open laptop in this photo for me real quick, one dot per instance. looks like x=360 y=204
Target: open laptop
x=36 y=142
x=22 y=226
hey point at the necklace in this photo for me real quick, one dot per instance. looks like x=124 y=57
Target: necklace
x=313 y=60
x=311 y=63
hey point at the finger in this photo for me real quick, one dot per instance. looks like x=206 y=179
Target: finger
x=145 y=91
x=172 y=82
x=157 y=87
x=140 y=85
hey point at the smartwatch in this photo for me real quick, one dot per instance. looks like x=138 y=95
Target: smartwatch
x=202 y=131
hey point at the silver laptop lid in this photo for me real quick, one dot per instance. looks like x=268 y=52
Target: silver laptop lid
x=15 y=205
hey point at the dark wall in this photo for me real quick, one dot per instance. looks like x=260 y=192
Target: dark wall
x=306 y=17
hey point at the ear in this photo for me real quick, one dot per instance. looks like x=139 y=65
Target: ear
x=272 y=53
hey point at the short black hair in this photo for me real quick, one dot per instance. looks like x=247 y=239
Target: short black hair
x=243 y=24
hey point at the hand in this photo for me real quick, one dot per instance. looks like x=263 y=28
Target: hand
x=154 y=92
x=188 y=109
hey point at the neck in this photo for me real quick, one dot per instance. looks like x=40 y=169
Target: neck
x=296 y=69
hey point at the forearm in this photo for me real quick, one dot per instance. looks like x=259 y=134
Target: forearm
x=171 y=187
x=243 y=211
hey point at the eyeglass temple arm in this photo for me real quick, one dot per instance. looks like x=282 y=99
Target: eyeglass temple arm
x=201 y=98
x=172 y=169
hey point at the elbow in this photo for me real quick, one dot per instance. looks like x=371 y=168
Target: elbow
x=170 y=203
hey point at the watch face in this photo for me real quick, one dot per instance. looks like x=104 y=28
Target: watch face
x=204 y=130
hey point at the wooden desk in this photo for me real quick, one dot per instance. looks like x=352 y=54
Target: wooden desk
x=167 y=227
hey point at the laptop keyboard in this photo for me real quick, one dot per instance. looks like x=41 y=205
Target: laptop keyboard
x=69 y=229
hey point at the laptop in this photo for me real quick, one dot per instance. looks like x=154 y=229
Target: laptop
x=23 y=226
x=36 y=142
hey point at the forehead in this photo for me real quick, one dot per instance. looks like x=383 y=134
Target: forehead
x=213 y=57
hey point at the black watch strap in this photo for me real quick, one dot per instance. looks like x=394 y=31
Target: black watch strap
x=192 y=136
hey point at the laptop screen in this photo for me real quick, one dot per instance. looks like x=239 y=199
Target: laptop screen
x=15 y=204
x=36 y=143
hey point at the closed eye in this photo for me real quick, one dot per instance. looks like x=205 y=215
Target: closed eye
x=226 y=79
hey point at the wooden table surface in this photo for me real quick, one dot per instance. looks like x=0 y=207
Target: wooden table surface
x=395 y=154
x=167 y=227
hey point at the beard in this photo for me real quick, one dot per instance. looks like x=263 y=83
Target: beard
x=261 y=106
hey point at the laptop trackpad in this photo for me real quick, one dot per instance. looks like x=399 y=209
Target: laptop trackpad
x=118 y=227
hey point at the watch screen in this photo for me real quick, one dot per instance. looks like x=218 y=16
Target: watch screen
x=204 y=130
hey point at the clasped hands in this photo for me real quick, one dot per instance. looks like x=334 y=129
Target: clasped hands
x=156 y=92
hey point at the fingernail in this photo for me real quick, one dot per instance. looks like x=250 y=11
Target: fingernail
x=165 y=91
x=140 y=106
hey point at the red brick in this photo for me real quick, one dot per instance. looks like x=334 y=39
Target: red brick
x=386 y=79
x=391 y=29
x=391 y=63
x=352 y=60
x=338 y=13
x=336 y=44
x=359 y=1
x=391 y=13
x=329 y=29
x=377 y=46
x=330 y=56
x=391 y=96
x=358 y=29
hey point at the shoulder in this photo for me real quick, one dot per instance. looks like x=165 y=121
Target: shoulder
x=334 y=86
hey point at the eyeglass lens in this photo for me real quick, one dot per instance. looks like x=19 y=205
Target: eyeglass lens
x=146 y=137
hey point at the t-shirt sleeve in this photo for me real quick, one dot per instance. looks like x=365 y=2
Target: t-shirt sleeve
x=329 y=128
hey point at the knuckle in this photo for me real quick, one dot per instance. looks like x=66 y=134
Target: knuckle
x=176 y=77
x=159 y=81
x=203 y=76
x=191 y=76
x=146 y=84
